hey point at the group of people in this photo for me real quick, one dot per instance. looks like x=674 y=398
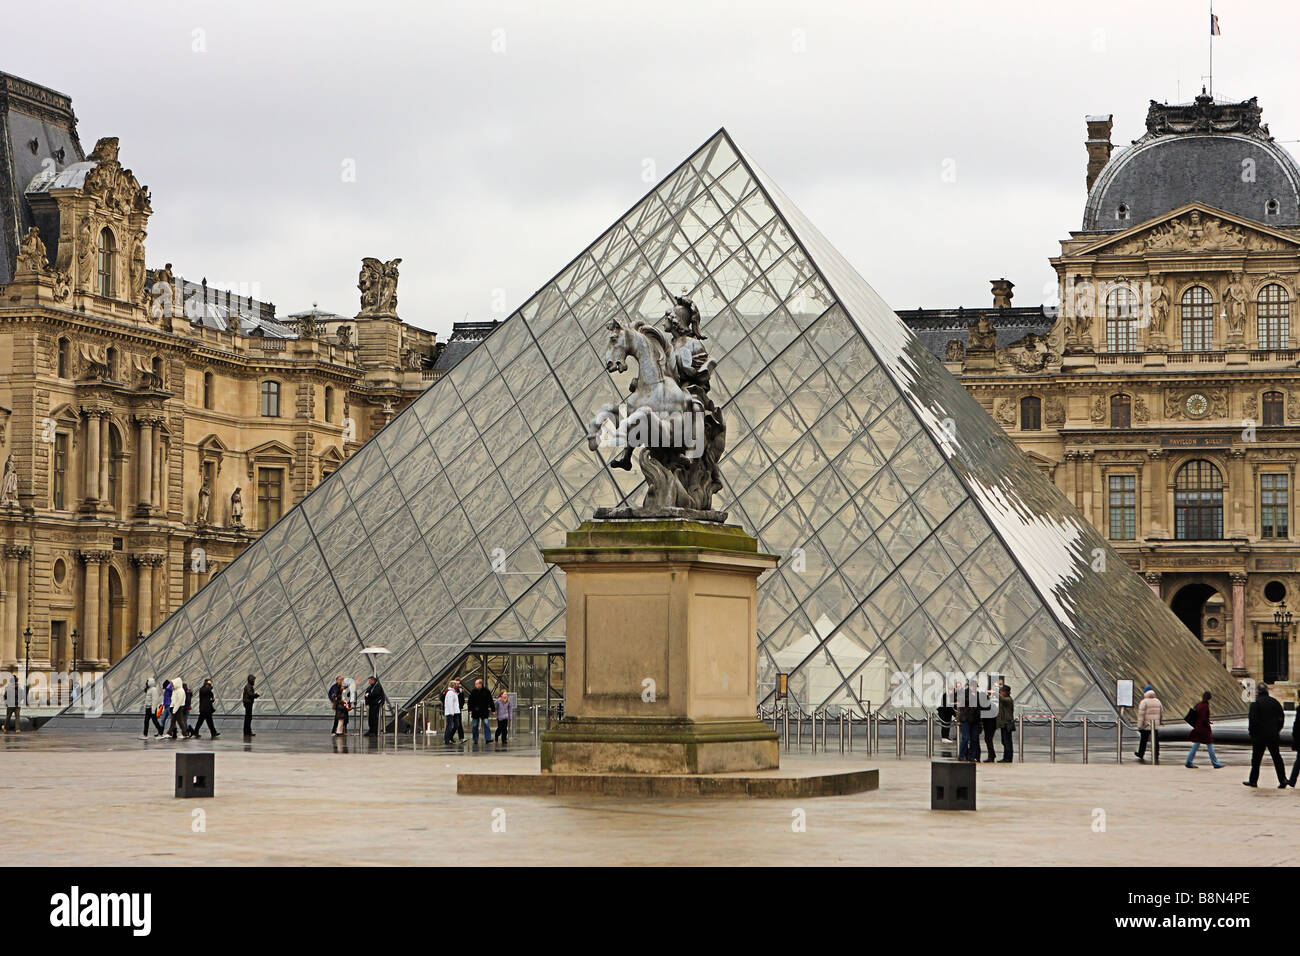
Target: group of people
x=482 y=708
x=342 y=700
x=168 y=708
x=973 y=710
x=1265 y=722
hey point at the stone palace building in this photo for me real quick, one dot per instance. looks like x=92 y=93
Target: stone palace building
x=1163 y=393
x=151 y=426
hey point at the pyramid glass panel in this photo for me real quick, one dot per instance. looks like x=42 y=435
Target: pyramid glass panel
x=911 y=529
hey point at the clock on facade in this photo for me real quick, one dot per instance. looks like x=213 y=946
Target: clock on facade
x=1197 y=405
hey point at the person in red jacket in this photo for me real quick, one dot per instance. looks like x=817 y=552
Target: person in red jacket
x=1201 y=734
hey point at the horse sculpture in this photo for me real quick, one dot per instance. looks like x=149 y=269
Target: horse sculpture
x=667 y=413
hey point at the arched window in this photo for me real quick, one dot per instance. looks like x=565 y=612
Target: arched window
x=329 y=403
x=1198 y=502
x=270 y=399
x=65 y=359
x=1121 y=320
x=1274 y=408
x=207 y=390
x=112 y=365
x=1121 y=411
x=107 y=250
x=1273 y=315
x=1198 y=319
x=1031 y=413
x=157 y=365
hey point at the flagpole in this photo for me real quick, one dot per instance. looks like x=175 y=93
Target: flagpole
x=1211 y=49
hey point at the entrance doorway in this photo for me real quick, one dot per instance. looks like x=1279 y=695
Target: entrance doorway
x=1204 y=612
x=534 y=681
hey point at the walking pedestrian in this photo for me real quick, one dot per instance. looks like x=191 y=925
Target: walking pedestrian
x=342 y=706
x=450 y=712
x=1006 y=721
x=1295 y=745
x=185 y=711
x=1148 y=717
x=989 y=720
x=15 y=697
x=968 y=724
x=166 y=705
x=152 y=708
x=249 y=696
x=1265 y=721
x=1202 y=734
x=504 y=713
x=480 y=711
x=179 y=707
x=335 y=695
x=207 y=707
x=375 y=698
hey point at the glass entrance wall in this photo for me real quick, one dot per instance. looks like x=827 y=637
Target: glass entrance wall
x=535 y=681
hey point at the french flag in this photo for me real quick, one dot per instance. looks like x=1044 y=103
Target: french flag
x=1214 y=25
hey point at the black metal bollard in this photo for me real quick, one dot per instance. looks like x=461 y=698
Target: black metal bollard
x=196 y=774
x=952 y=785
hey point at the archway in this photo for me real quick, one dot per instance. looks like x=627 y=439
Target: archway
x=1204 y=611
x=117 y=642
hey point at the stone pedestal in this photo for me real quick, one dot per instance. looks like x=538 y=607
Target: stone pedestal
x=661 y=650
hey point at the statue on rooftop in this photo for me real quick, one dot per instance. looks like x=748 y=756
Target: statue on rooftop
x=378 y=286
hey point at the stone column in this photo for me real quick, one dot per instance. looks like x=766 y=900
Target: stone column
x=90 y=483
x=105 y=446
x=144 y=595
x=1071 y=458
x=156 y=480
x=105 y=610
x=23 y=557
x=1085 y=484
x=1237 y=491
x=90 y=606
x=1157 y=481
x=1238 y=624
x=9 y=647
x=144 y=463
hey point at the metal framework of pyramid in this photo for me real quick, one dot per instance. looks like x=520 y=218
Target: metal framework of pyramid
x=913 y=531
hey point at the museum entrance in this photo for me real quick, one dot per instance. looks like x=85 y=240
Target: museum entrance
x=535 y=683
x=1204 y=612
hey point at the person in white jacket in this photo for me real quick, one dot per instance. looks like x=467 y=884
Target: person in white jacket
x=152 y=700
x=451 y=712
x=178 y=709
x=1148 y=718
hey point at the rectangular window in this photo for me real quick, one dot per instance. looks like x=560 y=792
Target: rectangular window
x=1123 y=507
x=59 y=488
x=270 y=496
x=270 y=399
x=1273 y=506
x=1274 y=413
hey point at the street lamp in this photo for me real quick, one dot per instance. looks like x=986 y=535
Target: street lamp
x=1282 y=618
x=27 y=667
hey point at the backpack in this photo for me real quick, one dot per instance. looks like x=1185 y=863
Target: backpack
x=1190 y=716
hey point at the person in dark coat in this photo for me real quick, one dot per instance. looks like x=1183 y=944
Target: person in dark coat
x=1265 y=721
x=480 y=710
x=1201 y=734
x=989 y=722
x=250 y=695
x=207 y=707
x=968 y=719
x=1006 y=721
x=1295 y=745
x=946 y=714
x=375 y=698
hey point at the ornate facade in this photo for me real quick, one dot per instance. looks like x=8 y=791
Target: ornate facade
x=1163 y=395
x=150 y=427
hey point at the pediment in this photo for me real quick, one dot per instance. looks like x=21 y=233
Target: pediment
x=1195 y=229
x=271 y=449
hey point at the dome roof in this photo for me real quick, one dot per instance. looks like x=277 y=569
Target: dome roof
x=1215 y=153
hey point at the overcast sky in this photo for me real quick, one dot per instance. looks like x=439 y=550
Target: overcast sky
x=492 y=142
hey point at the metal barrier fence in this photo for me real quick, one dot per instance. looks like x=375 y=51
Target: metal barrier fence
x=1081 y=741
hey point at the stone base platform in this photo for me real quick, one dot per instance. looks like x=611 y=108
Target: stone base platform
x=774 y=784
x=627 y=745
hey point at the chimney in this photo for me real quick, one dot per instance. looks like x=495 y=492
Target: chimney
x=1098 y=145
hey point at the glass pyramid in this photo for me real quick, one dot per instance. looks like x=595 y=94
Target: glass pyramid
x=913 y=532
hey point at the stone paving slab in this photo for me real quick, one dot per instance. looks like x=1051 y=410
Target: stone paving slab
x=285 y=808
